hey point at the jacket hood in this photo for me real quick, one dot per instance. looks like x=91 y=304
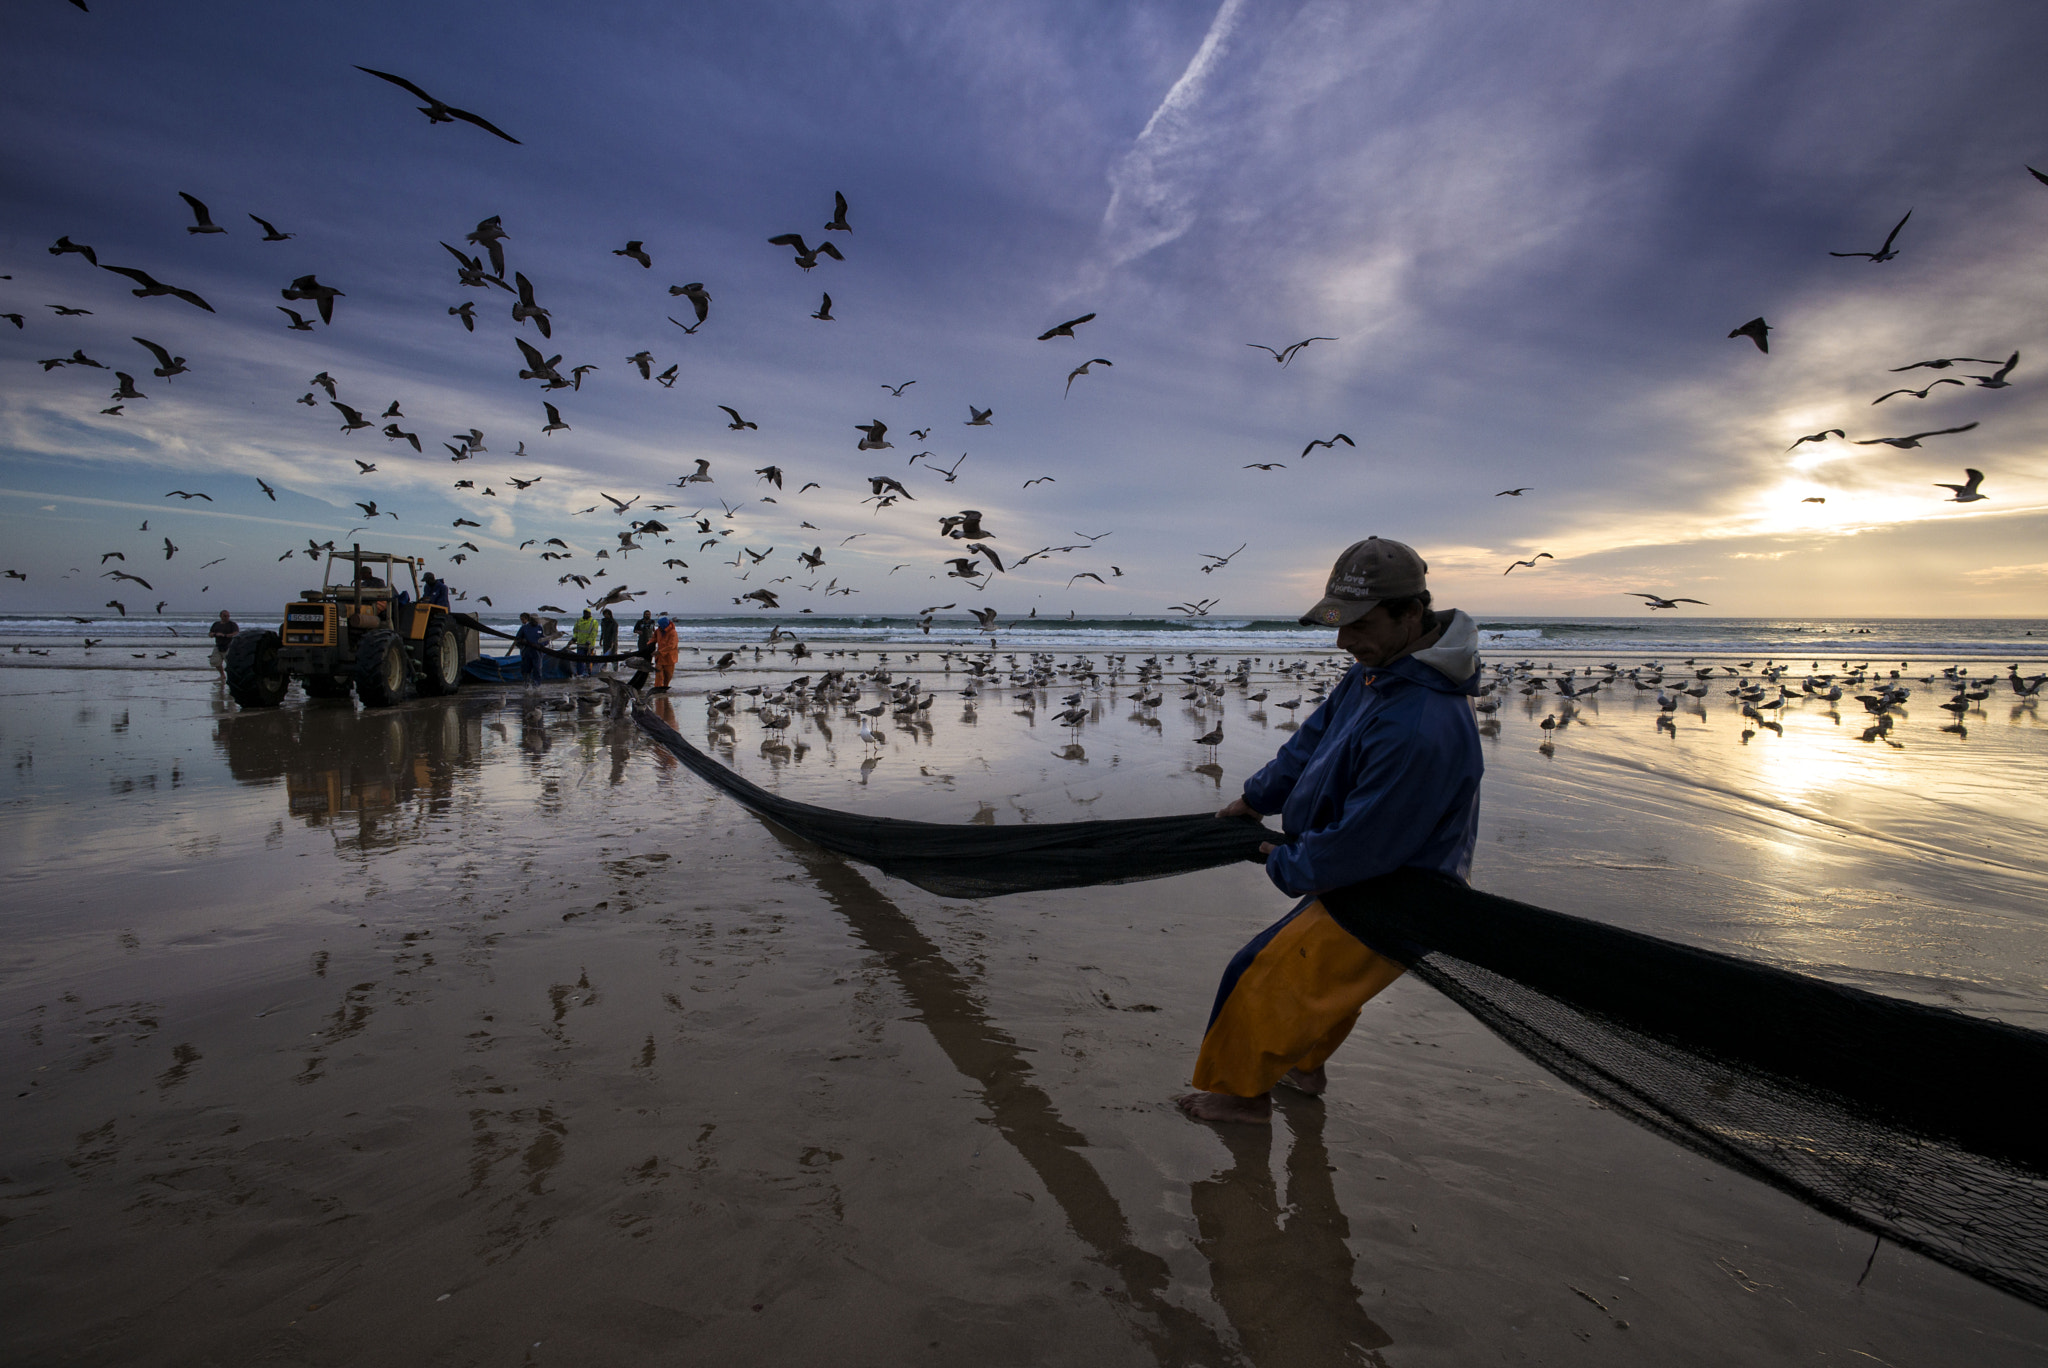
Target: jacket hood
x=1452 y=664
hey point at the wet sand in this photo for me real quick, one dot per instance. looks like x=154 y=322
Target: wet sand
x=477 y=1032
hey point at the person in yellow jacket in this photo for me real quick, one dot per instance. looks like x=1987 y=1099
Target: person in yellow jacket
x=584 y=637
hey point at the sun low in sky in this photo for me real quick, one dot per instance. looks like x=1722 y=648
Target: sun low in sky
x=549 y=266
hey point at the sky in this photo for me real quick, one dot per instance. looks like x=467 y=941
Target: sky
x=1526 y=231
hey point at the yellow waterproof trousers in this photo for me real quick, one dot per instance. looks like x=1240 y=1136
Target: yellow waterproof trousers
x=1287 y=1001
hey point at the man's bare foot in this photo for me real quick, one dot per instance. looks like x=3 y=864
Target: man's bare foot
x=1210 y=1106
x=1315 y=1082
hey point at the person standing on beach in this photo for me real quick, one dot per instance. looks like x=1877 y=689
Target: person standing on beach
x=529 y=638
x=1384 y=776
x=608 y=634
x=666 y=649
x=584 y=636
x=222 y=630
x=643 y=634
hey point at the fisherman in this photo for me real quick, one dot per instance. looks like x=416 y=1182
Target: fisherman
x=666 y=649
x=436 y=591
x=584 y=636
x=643 y=634
x=529 y=638
x=1384 y=776
x=222 y=629
x=608 y=634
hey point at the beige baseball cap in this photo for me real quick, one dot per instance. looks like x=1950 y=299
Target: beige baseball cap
x=1366 y=573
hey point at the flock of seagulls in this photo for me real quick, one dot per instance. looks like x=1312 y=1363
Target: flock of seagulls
x=483 y=269
x=1762 y=701
x=2000 y=377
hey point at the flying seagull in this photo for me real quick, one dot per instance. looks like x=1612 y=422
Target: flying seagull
x=554 y=423
x=1916 y=393
x=151 y=287
x=167 y=365
x=1817 y=437
x=1655 y=602
x=65 y=244
x=699 y=298
x=979 y=417
x=1966 y=493
x=1286 y=356
x=203 y=221
x=270 y=233
x=633 y=250
x=1906 y=443
x=876 y=438
x=824 y=313
x=806 y=256
x=1082 y=369
x=1331 y=444
x=1065 y=329
x=489 y=234
x=526 y=308
x=838 y=223
x=1516 y=493
x=738 y=424
x=309 y=287
x=1944 y=362
x=1997 y=380
x=1531 y=563
x=437 y=111
x=300 y=323
x=1757 y=331
x=1884 y=253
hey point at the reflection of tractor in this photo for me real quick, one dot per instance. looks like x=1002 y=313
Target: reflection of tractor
x=356 y=634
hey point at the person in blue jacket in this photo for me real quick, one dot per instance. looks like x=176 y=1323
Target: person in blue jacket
x=1384 y=776
x=529 y=636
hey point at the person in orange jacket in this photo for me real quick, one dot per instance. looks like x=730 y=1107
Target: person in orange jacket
x=666 y=648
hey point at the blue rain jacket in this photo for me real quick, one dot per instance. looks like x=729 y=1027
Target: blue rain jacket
x=1385 y=775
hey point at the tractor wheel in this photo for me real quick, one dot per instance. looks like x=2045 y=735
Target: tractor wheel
x=255 y=677
x=383 y=674
x=324 y=686
x=440 y=658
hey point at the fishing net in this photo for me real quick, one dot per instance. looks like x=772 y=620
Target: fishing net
x=962 y=861
x=1895 y=1117
x=1892 y=1116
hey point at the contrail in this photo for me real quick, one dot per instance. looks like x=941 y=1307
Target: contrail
x=1151 y=199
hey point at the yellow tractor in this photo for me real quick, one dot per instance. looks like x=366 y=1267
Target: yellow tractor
x=363 y=633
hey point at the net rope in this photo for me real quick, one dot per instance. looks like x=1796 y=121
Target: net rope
x=1895 y=1117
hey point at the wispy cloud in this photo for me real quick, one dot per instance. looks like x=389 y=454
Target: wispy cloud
x=1155 y=185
